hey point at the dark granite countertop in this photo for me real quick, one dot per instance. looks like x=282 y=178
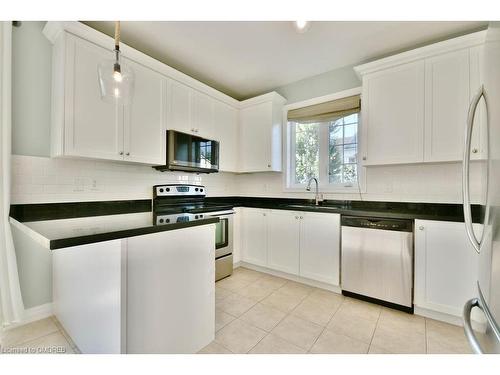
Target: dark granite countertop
x=77 y=223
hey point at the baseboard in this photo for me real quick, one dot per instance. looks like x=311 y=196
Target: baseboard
x=284 y=275
x=447 y=318
x=33 y=314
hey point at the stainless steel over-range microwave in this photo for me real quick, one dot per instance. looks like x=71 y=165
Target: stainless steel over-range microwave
x=190 y=153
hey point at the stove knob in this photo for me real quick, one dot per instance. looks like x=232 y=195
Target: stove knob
x=161 y=190
x=196 y=217
x=161 y=221
x=201 y=190
x=167 y=189
x=167 y=221
x=196 y=189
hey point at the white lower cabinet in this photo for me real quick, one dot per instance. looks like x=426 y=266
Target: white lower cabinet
x=320 y=247
x=283 y=241
x=305 y=244
x=446 y=266
x=254 y=236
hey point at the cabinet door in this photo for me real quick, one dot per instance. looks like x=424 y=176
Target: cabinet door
x=92 y=127
x=226 y=132
x=446 y=266
x=255 y=138
x=145 y=117
x=179 y=100
x=320 y=247
x=283 y=241
x=202 y=115
x=446 y=105
x=393 y=115
x=254 y=241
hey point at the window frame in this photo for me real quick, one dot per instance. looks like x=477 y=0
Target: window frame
x=289 y=184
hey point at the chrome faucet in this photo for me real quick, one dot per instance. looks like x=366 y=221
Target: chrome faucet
x=317 y=197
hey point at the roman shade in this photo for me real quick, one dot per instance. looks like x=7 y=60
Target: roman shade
x=328 y=111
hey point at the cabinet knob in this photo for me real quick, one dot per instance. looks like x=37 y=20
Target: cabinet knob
x=364 y=157
x=296 y=217
x=302 y=217
x=128 y=154
x=474 y=150
x=121 y=152
x=264 y=214
x=269 y=165
x=421 y=227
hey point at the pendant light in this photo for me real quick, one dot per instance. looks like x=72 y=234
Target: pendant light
x=116 y=80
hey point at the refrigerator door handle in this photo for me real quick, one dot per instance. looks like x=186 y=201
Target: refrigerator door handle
x=465 y=170
x=469 y=332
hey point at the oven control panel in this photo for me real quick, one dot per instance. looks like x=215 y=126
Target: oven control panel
x=173 y=190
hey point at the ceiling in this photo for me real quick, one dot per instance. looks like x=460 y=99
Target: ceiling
x=247 y=58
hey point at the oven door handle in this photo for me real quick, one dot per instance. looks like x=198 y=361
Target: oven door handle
x=219 y=213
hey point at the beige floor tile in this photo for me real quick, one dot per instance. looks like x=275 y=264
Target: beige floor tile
x=272 y=344
x=235 y=304
x=255 y=292
x=313 y=311
x=234 y=283
x=283 y=302
x=298 y=331
x=263 y=317
x=53 y=343
x=221 y=293
x=362 y=309
x=326 y=297
x=401 y=321
x=444 y=338
x=239 y=337
x=294 y=289
x=335 y=343
x=399 y=342
x=222 y=319
x=376 y=350
x=353 y=326
x=214 y=348
x=248 y=274
x=29 y=332
x=271 y=282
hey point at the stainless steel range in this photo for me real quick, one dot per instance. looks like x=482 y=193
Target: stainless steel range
x=184 y=203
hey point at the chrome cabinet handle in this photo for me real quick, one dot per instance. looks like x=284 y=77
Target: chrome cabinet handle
x=474 y=150
x=302 y=217
x=128 y=154
x=121 y=152
x=364 y=157
x=469 y=332
x=476 y=243
x=421 y=227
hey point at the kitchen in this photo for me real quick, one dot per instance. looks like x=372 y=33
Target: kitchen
x=348 y=210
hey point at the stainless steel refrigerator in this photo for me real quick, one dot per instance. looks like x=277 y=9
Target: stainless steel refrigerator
x=487 y=244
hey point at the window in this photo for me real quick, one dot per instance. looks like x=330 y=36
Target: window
x=325 y=146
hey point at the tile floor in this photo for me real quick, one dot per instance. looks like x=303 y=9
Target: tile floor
x=260 y=313
x=44 y=336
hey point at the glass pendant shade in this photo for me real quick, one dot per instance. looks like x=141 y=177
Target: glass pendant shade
x=116 y=81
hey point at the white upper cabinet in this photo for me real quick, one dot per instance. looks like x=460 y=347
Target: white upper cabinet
x=82 y=124
x=179 y=107
x=447 y=96
x=227 y=133
x=146 y=117
x=415 y=104
x=320 y=247
x=283 y=241
x=203 y=115
x=393 y=115
x=261 y=121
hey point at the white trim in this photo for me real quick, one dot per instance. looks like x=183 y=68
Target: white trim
x=33 y=314
x=35 y=236
x=461 y=42
x=299 y=279
x=447 y=318
x=272 y=96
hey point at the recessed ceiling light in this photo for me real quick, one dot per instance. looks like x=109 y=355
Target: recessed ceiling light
x=302 y=26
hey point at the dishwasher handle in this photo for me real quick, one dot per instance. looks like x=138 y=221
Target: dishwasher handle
x=400 y=225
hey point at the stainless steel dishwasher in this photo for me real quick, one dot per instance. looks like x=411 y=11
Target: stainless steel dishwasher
x=377 y=260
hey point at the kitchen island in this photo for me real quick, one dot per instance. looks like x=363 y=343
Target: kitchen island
x=122 y=284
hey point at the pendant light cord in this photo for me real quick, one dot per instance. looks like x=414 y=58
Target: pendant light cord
x=117 y=35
